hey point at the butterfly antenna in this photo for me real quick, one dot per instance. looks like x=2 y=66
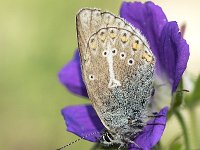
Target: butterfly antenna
x=77 y=140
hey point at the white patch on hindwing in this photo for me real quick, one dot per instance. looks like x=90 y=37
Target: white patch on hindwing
x=112 y=82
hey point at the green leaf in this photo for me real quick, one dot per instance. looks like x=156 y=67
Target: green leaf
x=184 y=128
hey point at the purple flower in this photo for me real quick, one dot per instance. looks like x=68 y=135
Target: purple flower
x=82 y=120
x=171 y=51
x=166 y=42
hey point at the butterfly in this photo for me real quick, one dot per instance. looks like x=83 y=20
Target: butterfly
x=118 y=71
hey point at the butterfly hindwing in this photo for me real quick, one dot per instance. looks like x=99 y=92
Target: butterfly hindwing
x=117 y=68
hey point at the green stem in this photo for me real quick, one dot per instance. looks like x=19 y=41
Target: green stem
x=193 y=125
x=184 y=128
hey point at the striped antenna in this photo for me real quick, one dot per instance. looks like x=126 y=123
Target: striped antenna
x=77 y=140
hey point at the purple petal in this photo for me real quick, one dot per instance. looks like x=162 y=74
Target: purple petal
x=151 y=133
x=167 y=44
x=70 y=76
x=173 y=53
x=148 y=18
x=83 y=120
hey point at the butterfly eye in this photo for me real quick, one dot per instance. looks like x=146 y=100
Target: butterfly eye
x=105 y=53
x=130 y=61
x=91 y=77
x=114 y=52
x=122 y=55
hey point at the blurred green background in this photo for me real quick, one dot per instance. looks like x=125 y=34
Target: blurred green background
x=37 y=37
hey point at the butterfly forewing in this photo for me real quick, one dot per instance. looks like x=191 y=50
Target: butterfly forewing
x=117 y=67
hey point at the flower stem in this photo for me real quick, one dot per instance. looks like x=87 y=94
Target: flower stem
x=193 y=125
x=184 y=128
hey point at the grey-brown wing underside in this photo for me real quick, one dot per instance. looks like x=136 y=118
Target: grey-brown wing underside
x=117 y=65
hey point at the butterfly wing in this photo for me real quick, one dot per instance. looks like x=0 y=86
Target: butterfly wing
x=117 y=66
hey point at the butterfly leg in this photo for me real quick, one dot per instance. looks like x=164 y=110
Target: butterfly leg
x=155 y=115
x=132 y=142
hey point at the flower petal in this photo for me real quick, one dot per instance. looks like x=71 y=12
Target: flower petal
x=151 y=133
x=148 y=18
x=173 y=53
x=70 y=76
x=83 y=120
